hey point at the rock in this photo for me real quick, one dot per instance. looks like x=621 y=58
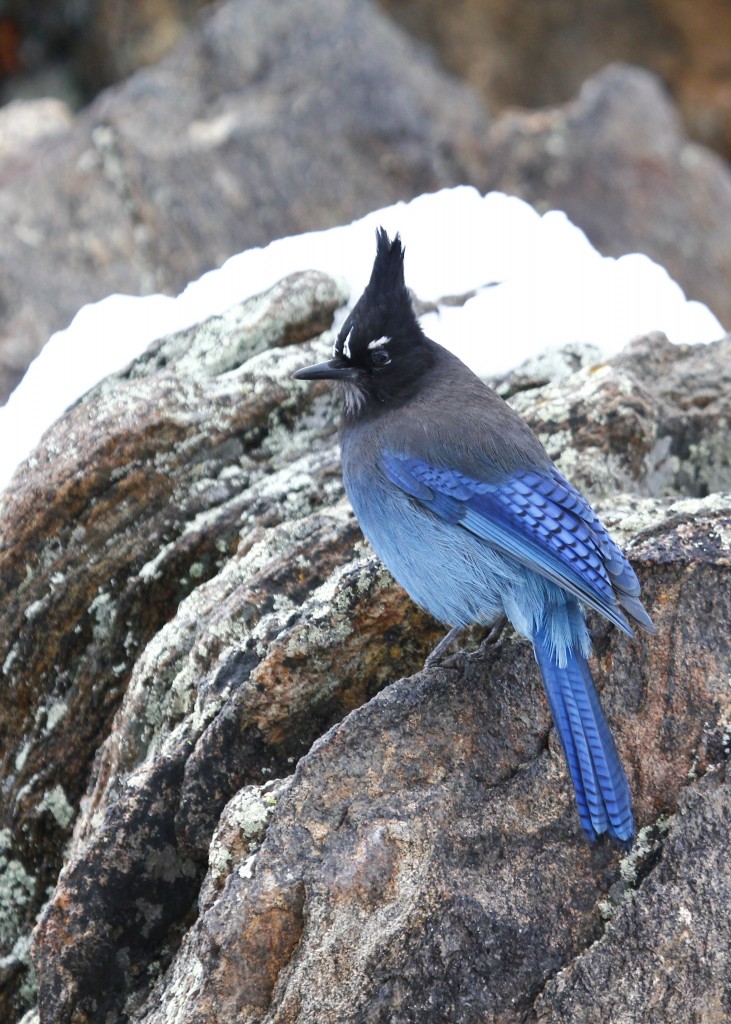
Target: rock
x=653 y=420
x=701 y=84
x=227 y=143
x=188 y=162
x=91 y=44
x=552 y=366
x=24 y=125
x=676 y=928
x=23 y=122
x=240 y=815
x=121 y=37
x=617 y=162
x=533 y=56
x=425 y=862
x=183 y=490
x=538 y=54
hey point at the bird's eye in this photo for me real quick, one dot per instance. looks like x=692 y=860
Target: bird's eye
x=380 y=357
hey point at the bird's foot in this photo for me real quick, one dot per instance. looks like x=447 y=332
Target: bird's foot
x=496 y=630
x=457 y=659
x=437 y=655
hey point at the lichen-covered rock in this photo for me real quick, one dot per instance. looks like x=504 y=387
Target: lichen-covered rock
x=175 y=544
x=130 y=502
x=425 y=862
x=664 y=956
x=212 y=799
x=654 y=420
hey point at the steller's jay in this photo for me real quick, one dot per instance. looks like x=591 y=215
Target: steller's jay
x=459 y=498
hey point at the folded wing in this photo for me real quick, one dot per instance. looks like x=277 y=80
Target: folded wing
x=538 y=519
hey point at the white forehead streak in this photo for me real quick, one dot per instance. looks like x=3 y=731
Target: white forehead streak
x=378 y=343
x=345 y=350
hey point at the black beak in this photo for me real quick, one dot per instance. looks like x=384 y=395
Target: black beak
x=335 y=369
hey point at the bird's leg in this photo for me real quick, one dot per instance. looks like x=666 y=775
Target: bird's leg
x=492 y=637
x=496 y=630
x=444 y=644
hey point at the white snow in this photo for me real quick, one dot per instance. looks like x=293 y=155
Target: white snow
x=549 y=287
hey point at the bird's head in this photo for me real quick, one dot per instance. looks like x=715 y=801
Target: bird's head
x=381 y=353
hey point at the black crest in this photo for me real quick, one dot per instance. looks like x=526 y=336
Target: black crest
x=384 y=309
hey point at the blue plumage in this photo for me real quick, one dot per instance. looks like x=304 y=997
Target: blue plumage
x=526 y=517
x=461 y=501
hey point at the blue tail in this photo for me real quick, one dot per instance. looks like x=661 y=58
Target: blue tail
x=602 y=793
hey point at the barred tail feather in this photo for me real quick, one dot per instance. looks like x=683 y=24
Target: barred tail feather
x=602 y=793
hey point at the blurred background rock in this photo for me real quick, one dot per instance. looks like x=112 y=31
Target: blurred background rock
x=536 y=54
x=145 y=141
x=530 y=54
x=74 y=49
x=312 y=115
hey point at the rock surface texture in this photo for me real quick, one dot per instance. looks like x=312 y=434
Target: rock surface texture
x=230 y=791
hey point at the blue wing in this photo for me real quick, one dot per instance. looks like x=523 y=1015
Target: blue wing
x=539 y=519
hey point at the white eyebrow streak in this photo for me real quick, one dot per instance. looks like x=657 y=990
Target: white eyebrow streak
x=378 y=343
x=346 y=346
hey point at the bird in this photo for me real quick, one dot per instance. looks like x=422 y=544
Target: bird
x=461 y=501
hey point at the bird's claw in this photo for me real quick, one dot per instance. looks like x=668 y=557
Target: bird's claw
x=457 y=659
